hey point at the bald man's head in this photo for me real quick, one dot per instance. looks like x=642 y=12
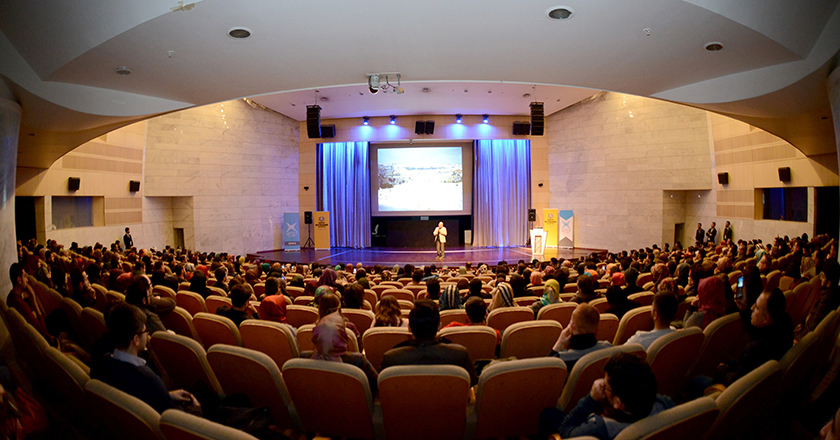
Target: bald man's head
x=586 y=319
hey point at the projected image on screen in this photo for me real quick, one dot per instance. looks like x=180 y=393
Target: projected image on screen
x=420 y=179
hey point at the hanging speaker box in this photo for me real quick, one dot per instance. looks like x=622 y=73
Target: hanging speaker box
x=313 y=121
x=521 y=128
x=537 y=119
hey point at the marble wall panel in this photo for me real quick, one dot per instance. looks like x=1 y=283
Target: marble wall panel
x=10 y=117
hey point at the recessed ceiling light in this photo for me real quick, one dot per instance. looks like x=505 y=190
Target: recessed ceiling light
x=560 y=13
x=239 y=32
x=122 y=70
x=714 y=46
x=426 y=90
x=527 y=95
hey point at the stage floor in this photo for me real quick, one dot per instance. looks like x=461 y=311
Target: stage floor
x=456 y=256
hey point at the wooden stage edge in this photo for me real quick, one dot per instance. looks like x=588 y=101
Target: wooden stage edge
x=455 y=256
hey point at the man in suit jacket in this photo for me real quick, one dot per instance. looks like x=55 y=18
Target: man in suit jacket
x=129 y=242
x=699 y=234
x=440 y=240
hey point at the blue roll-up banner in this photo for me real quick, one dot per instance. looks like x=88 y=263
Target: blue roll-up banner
x=291 y=231
x=566 y=232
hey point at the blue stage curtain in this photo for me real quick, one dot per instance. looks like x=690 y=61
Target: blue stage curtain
x=501 y=192
x=344 y=191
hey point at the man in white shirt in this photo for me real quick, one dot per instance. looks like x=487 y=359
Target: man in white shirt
x=440 y=240
x=664 y=308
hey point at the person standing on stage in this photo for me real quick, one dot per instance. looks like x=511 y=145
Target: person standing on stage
x=440 y=240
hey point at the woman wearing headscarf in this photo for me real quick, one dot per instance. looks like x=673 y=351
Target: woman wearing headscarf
x=328 y=278
x=330 y=340
x=682 y=274
x=551 y=295
x=502 y=296
x=450 y=298
x=518 y=285
x=709 y=305
x=198 y=284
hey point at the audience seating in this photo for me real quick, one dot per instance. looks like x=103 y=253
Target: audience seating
x=600 y=304
x=302 y=300
x=607 y=327
x=184 y=286
x=634 y=320
x=93 y=322
x=415 y=289
x=510 y=396
x=179 y=425
x=745 y=402
x=453 y=315
x=643 y=298
x=381 y=288
x=67 y=379
x=50 y=299
x=246 y=371
x=371 y=297
x=773 y=279
x=362 y=319
x=378 y=340
x=216 y=329
x=400 y=294
x=671 y=356
x=259 y=289
x=479 y=340
x=297 y=316
x=294 y=291
x=319 y=388
x=73 y=311
x=537 y=290
x=424 y=401
x=405 y=305
x=122 y=415
x=724 y=338
x=688 y=421
x=163 y=291
x=827 y=338
x=530 y=339
x=525 y=301
x=274 y=339
x=589 y=368
x=734 y=275
x=181 y=322
x=114 y=296
x=183 y=362
x=644 y=278
x=797 y=365
x=801 y=296
x=649 y=286
x=191 y=302
x=503 y=317
x=102 y=297
x=304 y=339
x=218 y=291
x=570 y=288
x=213 y=303
x=560 y=312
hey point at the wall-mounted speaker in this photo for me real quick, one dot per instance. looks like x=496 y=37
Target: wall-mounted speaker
x=723 y=178
x=532 y=215
x=424 y=127
x=73 y=183
x=430 y=127
x=313 y=121
x=328 y=131
x=537 y=119
x=784 y=174
x=134 y=185
x=521 y=128
x=307 y=217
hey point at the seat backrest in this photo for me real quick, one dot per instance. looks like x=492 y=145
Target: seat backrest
x=254 y=374
x=530 y=339
x=213 y=302
x=303 y=300
x=510 y=396
x=400 y=294
x=772 y=280
x=526 y=301
x=191 y=302
x=412 y=396
x=501 y=318
x=453 y=315
x=589 y=368
x=94 y=323
x=378 y=340
x=68 y=379
x=184 y=362
x=124 y=415
x=643 y=298
x=745 y=402
x=371 y=297
x=644 y=278
x=259 y=289
x=164 y=291
x=216 y=329
x=797 y=365
x=114 y=296
x=479 y=340
x=294 y=291
x=607 y=327
x=101 y=296
x=733 y=276
x=381 y=288
x=600 y=304
x=416 y=289
x=180 y=425
x=671 y=356
x=184 y=286
x=73 y=311
x=275 y=339
x=634 y=320
x=304 y=339
x=537 y=290
x=316 y=385
x=802 y=296
x=362 y=319
x=560 y=312
x=688 y=421
x=297 y=316
x=723 y=336
x=180 y=321
x=50 y=299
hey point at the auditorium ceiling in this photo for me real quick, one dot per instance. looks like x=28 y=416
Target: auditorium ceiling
x=59 y=59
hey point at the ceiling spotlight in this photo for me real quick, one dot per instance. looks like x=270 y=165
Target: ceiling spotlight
x=457 y=119
x=239 y=33
x=122 y=70
x=485 y=118
x=373 y=84
x=560 y=13
x=365 y=120
x=714 y=46
x=393 y=119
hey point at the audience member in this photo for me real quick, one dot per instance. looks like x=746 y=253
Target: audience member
x=388 y=313
x=619 y=303
x=433 y=288
x=240 y=304
x=273 y=306
x=578 y=338
x=710 y=303
x=23 y=299
x=665 y=306
x=631 y=275
x=139 y=294
x=198 y=284
x=330 y=340
x=829 y=298
x=476 y=310
x=502 y=293
x=551 y=295
x=451 y=298
x=475 y=288
x=586 y=289
x=82 y=293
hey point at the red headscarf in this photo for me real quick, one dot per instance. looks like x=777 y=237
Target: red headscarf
x=273 y=308
x=712 y=294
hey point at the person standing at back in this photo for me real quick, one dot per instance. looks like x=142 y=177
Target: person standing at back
x=129 y=242
x=699 y=234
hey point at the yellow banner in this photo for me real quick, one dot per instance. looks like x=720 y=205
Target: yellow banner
x=550 y=227
x=321 y=220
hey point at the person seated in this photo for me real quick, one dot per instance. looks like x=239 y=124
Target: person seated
x=665 y=306
x=433 y=288
x=330 y=340
x=330 y=303
x=476 y=310
x=475 y=287
x=388 y=313
x=354 y=296
x=829 y=298
x=502 y=293
x=626 y=394
x=708 y=305
x=427 y=348
x=139 y=294
x=631 y=275
x=518 y=285
x=198 y=284
x=586 y=289
x=578 y=338
x=619 y=303
x=23 y=299
x=551 y=295
x=221 y=279
x=451 y=297
x=125 y=370
x=273 y=306
x=81 y=292
x=361 y=278
x=240 y=305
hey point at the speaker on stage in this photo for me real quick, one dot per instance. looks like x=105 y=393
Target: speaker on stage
x=532 y=215
x=73 y=184
x=521 y=128
x=313 y=121
x=328 y=131
x=307 y=217
x=537 y=119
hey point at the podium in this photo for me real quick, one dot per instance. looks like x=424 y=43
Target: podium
x=537 y=241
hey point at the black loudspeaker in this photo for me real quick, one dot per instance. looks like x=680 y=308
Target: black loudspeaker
x=521 y=128
x=784 y=174
x=313 y=121
x=134 y=185
x=73 y=183
x=424 y=127
x=307 y=217
x=532 y=215
x=430 y=127
x=537 y=119
x=723 y=178
x=328 y=131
